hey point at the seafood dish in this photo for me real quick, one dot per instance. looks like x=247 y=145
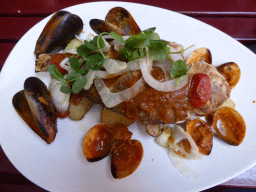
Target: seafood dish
x=135 y=76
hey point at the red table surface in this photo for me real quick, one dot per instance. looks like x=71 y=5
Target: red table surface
x=234 y=17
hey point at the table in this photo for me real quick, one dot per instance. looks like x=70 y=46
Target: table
x=234 y=17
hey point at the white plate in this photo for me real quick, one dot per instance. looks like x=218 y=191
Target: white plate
x=61 y=165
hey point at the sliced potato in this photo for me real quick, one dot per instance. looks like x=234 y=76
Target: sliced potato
x=155 y=130
x=112 y=118
x=201 y=134
x=231 y=72
x=78 y=111
x=229 y=125
x=126 y=158
x=198 y=55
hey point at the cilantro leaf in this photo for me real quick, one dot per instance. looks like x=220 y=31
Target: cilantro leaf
x=83 y=71
x=136 y=41
x=158 y=54
x=95 y=61
x=179 y=68
x=149 y=31
x=78 y=85
x=73 y=76
x=65 y=88
x=74 y=63
x=117 y=37
x=55 y=73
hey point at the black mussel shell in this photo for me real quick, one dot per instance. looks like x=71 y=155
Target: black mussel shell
x=35 y=106
x=60 y=29
x=121 y=18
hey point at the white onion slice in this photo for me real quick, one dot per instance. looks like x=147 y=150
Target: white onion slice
x=178 y=134
x=166 y=86
x=64 y=64
x=60 y=100
x=166 y=66
x=179 y=163
x=131 y=66
x=114 y=66
x=71 y=51
x=111 y=99
x=177 y=56
x=90 y=76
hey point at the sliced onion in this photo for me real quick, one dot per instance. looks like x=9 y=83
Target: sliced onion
x=107 y=46
x=166 y=86
x=177 y=56
x=60 y=100
x=71 y=51
x=90 y=76
x=165 y=65
x=179 y=163
x=114 y=66
x=131 y=66
x=64 y=64
x=178 y=134
x=111 y=99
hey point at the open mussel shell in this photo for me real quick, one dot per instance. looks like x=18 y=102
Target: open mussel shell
x=126 y=158
x=97 y=143
x=60 y=29
x=201 y=134
x=229 y=125
x=121 y=18
x=34 y=105
x=100 y=26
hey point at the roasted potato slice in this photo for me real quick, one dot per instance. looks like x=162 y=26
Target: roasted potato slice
x=231 y=72
x=126 y=158
x=229 y=125
x=198 y=55
x=155 y=130
x=201 y=134
x=77 y=111
x=112 y=118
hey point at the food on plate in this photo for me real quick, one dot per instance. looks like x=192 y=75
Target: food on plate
x=155 y=130
x=201 y=133
x=59 y=30
x=231 y=72
x=79 y=105
x=110 y=117
x=229 y=125
x=135 y=76
x=198 y=55
x=200 y=90
x=104 y=139
x=126 y=158
x=35 y=106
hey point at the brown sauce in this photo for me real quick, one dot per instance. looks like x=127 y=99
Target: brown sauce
x=165 y=107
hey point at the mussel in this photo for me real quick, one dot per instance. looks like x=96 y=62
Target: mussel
x=60 y=29
x=104 y=139
x=118 y=20
x=201 y=134
x=200 y=54
x=35 y=106
x=121 y=18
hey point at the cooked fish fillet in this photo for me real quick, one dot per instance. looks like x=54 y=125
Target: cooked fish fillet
x=154 y=107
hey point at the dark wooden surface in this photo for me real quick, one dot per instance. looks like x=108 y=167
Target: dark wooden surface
x=237 y=18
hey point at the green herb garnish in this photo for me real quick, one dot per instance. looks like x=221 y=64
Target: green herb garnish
x=133 y=48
